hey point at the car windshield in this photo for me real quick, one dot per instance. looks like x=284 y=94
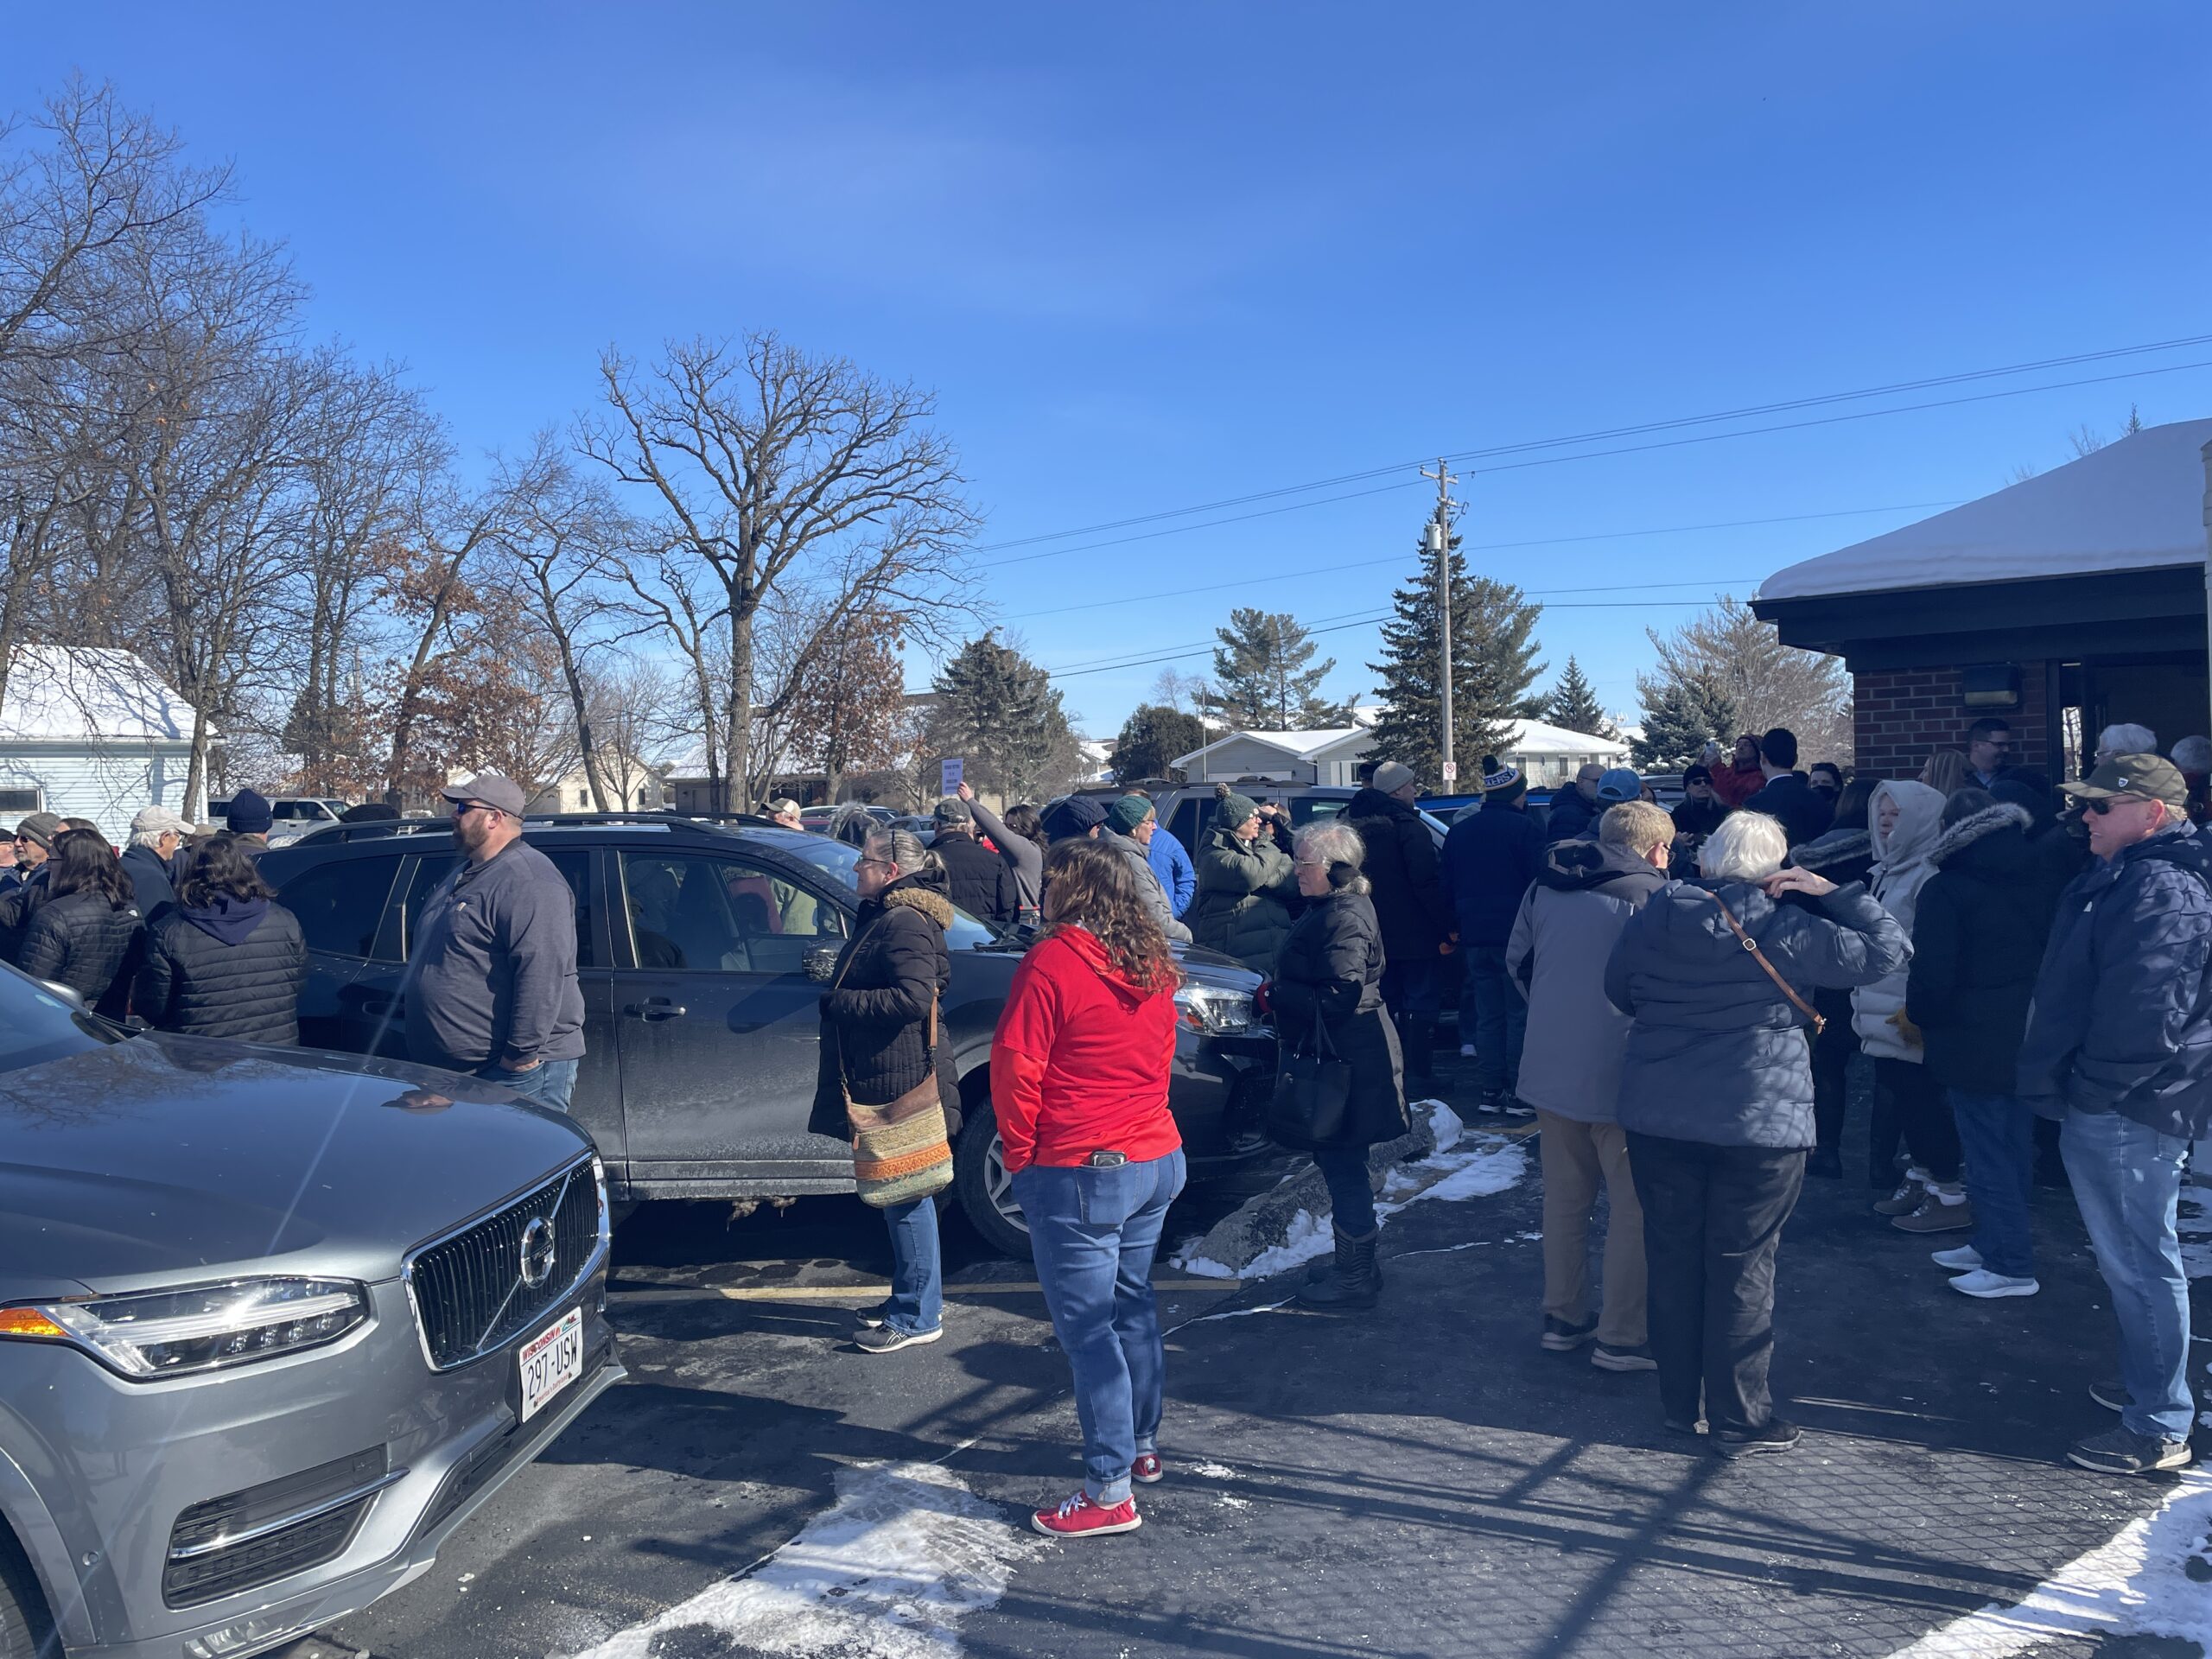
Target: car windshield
x=37 y=1026
x=836 y=859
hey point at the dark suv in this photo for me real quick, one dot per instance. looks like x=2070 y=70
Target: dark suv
x=702 y=947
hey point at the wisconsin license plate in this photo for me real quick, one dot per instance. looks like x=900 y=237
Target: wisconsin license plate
x=551 y=1360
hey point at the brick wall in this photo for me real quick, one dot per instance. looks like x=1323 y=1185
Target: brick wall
x=1900 y=715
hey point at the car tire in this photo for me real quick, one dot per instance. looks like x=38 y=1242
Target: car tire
x=979 y=1177
x=25 y=1631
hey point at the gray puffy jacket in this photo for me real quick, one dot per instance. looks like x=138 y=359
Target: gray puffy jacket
x=1716 y=1053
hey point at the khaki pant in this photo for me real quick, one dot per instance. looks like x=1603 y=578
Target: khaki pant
x=1576 y=1156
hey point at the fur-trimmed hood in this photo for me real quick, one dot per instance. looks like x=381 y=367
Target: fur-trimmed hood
x=926 y=901
x=1839 y=846
x=1968 y=831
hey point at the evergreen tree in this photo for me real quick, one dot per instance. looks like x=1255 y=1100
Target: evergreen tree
x=1682 y=714
x=998 y=713
x=1573 y=705
x=1151 y=738
x=1262 y=682
x=1493 y=666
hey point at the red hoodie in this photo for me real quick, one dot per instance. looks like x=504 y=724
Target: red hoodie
x=1081 y=1059
x=1734 y=786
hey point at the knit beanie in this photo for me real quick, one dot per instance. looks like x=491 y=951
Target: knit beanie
x=248 y=813
x=1234 y=808
x=40 y=827
x=1078 y=815
x=1128 y=812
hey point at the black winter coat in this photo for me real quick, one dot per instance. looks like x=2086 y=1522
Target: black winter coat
x=875 y=1013
x=18 y=905
x=1716 y=1053
x=1700 y=817
x=1804 y=813
x=1332 y=967
x=1402 y=870
x=1977 y=936
x=194 y=984
x=2122 y=1016
x=977 y=879
x=81 y=941
x=1568 y=817
x=152 y=883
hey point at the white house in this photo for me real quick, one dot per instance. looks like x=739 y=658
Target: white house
x=88 y=733
x=635 y=788
x=1550 y=755
x=1329 y=756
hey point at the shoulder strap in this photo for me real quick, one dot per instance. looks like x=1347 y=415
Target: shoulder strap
x=1819 y=1021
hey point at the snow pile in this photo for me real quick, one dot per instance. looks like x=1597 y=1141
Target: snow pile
x=888 y=1572
x=2154 y=1579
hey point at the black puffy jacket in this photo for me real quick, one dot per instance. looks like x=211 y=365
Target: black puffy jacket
x=1977 y=937
x=1401 y=868
x=81 y=941
x=194 y=984
x=1716 y=1053
x=18 y=906
x=875 y=1012
x=1568 y=815
x=1331 y=966
x=976 y=879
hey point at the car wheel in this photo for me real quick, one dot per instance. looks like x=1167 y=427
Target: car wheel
x=985 y=1190
x=25 y=1632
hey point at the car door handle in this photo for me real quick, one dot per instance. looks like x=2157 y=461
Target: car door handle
x=657 y=1007
x=377 y=1006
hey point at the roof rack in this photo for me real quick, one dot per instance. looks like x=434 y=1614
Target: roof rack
x=376 y=829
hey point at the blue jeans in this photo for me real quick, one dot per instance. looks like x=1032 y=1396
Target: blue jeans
x=916 y=1301
x=550 y=1083
x=1500 y=1018
x=1996 y=1134
x=1351 y=1199
x=2126 y=1178
x=1094 y=1233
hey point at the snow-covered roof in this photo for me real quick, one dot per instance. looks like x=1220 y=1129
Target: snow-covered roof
x=1302 y=745
x=2134 y=504
x=60 y=693
x=1535 y=737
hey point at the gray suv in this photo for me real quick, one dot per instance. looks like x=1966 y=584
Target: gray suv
x=272 y=1324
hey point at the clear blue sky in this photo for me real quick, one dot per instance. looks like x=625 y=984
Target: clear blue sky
x=1157 y=255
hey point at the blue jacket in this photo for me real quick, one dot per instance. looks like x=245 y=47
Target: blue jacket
x=1716 y=1053
x=1489 y=859
x=1170 y=862
x=2122 y=1016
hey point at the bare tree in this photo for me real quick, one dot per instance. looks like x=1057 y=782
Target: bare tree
x=1766 y=683
x=765 y=465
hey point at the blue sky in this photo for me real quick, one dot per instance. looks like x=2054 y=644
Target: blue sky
x=1153 y=256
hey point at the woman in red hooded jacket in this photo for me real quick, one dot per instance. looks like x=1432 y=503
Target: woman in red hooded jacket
x=1738 y=779
x=1079 y=1070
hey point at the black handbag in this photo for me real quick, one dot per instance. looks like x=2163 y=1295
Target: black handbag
x=1313 y=1095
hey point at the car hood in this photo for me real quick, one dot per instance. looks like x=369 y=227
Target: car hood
x=165 y=1159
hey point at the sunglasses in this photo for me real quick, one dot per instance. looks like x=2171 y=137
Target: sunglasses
x=2101 y=804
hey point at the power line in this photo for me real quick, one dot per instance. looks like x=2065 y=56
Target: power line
x=1486 y=547
x=1469 y=455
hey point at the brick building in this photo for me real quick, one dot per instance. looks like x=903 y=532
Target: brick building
x=2071 y=599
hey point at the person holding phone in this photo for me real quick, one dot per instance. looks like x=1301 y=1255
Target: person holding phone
x=1079 y=1070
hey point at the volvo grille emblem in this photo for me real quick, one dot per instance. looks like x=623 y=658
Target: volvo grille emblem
x=538 y=1252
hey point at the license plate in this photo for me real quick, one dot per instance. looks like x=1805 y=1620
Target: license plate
x=550 y=1361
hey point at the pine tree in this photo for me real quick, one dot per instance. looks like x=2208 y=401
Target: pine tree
x=1573 y=705
x=1493 y=666
x=1682 y=714
x=1261 y=680
x=1151 y=738
x=999 y=712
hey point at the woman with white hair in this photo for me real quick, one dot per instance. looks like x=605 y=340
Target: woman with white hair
x=1717 y=978
x=1328 y=999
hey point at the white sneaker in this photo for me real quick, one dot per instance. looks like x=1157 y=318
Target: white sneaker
x=1983 y=1283
x=1466 y=1051
x=1965 y=1259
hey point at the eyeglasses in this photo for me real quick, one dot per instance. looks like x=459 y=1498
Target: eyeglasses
x=885 y=863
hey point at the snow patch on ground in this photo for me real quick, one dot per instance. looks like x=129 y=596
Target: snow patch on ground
x=2155 y=1578
x=888 y=1572
x=2194 y=1226
x=1211 y=1470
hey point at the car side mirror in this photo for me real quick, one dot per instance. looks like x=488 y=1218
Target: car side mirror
x=819 y=965
x=66 y=993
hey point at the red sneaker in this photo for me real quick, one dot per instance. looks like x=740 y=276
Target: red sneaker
x=1081 y=1518
x=1146 y=1470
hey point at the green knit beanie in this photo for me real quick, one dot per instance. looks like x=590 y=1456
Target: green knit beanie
x=1234 y=810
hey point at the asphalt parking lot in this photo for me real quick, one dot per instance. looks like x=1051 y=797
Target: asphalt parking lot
x=1422 y=1480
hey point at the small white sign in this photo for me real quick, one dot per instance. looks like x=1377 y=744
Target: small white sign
x=1451 y=771
x=948 y=775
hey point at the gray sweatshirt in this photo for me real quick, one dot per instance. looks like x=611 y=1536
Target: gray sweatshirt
x=492 y=975
x=1025 y=856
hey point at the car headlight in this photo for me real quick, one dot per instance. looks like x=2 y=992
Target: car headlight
x=171 y=1333
x=1210 y=1008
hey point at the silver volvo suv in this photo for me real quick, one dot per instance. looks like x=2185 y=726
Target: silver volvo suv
x=272 y=1324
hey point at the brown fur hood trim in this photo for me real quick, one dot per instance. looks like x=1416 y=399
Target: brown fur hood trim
x=935 y=906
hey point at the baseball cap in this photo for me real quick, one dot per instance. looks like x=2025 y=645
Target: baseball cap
x=491 y=788
x=158 y=821
x=953 y=809
x=2152 y=777
x=1620 y=785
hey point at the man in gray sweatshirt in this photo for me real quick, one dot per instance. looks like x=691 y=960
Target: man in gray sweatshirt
x=492 y=980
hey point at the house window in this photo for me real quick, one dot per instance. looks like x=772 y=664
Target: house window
x=18 y=800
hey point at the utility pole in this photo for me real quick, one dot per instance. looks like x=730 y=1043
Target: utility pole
x=1439 y=542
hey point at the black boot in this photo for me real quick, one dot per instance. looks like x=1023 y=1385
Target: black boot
x=1416 y=1042
x=1354 y=1281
